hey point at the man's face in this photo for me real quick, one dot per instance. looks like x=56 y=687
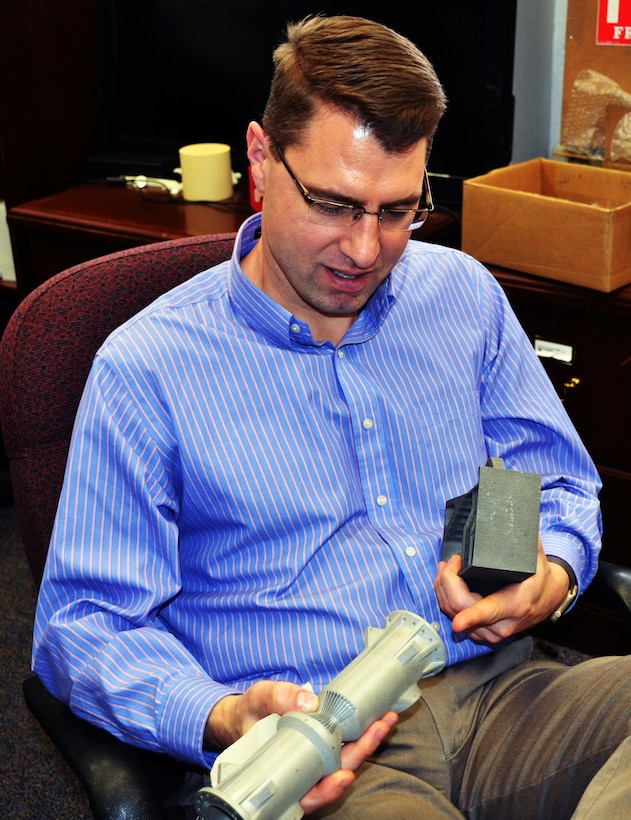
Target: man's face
x=325 y=275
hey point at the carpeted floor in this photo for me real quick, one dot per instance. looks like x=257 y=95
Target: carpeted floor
x=34 y=780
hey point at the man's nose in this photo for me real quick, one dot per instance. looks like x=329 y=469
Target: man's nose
x=362 y=241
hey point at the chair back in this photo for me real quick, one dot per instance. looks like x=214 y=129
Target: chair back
x=46 y=353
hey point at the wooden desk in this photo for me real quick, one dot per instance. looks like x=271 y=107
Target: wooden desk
x=58 y=231
x=8 y=288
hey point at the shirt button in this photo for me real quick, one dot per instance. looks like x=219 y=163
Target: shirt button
x=294 y=328
x=368 y=424
x=410 y=552
x=341 y=354
x=382 y=500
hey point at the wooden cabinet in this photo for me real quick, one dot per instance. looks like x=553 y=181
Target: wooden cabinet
x=592 y=331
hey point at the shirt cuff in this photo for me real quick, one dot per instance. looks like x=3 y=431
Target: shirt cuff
x=570 y=572
x=569 y=551
x=183 y=715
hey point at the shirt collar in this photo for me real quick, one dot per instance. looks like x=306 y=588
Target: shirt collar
x=278 y=325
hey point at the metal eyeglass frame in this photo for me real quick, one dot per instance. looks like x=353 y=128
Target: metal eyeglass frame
x=356 y=212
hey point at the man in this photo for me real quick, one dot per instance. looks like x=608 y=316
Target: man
x=261 y=463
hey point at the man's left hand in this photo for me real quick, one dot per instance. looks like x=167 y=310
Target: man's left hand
x=503 y=613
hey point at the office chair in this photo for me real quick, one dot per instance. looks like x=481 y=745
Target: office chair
x=45 y=356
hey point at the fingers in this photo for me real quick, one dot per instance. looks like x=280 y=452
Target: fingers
x=484 y=619
x=505 y=612
x=331 y=788
x=275 y=697
x=355 y=753
x=515 y=607
x=451 y=590
x=502 y=613
x=327 y=791
x=234 y=715
x=278 y=697
x=483 y=613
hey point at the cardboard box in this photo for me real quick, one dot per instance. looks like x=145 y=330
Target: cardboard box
x=560 y=220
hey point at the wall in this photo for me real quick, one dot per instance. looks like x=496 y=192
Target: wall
x=51 y=94
x=7 y=268
x=538 y=77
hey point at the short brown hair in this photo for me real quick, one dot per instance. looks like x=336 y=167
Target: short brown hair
x=360 y=67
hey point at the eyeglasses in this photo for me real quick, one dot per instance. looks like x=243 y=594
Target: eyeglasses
x=341 y=215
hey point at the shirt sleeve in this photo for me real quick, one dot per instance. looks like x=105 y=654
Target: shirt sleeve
x=112 y=565
x=526 y=424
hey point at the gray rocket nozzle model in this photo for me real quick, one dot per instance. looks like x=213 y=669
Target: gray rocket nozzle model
x=306 y=747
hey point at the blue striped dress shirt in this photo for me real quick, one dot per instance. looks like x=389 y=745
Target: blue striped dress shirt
x=242 y=501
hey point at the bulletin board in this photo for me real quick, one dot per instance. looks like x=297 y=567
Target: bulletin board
x=596 y=120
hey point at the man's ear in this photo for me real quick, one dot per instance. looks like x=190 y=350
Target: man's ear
x=257 y=153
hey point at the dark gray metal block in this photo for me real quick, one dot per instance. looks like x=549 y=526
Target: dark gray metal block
x=495 y=528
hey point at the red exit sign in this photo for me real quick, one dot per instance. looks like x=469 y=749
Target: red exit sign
x=614 y=23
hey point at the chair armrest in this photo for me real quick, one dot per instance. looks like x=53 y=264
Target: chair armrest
x=120 y=780
x=612 y=588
